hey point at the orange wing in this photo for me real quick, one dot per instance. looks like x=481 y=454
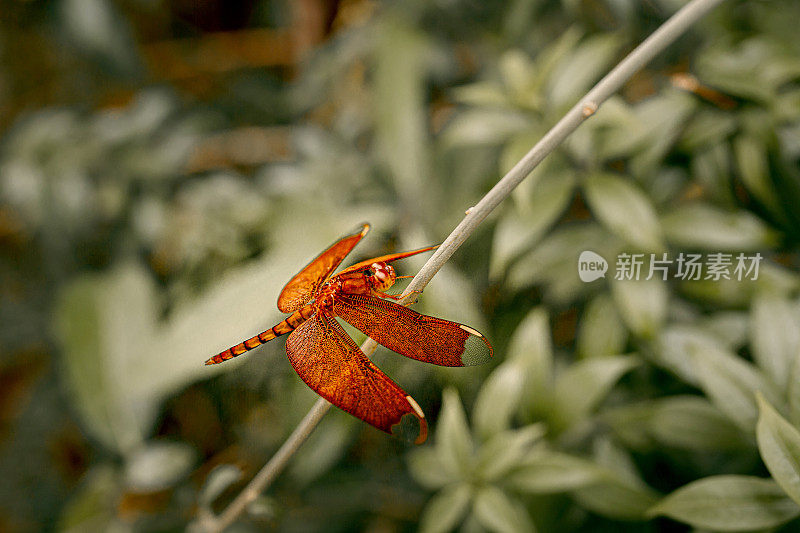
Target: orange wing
x=412 y=334
x=328 y=360
x=304 y=284
x=387 y=258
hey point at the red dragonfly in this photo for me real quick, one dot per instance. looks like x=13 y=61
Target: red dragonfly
x=327 y=359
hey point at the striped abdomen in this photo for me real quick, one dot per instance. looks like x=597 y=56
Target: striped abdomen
x=281 y=328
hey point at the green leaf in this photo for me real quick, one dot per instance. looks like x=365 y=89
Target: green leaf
x=642 y=304
x=482 y=94
x=530 y=348
x=105 y=323
x=427 y=470
x=708 y=128
x=625 y=210
x=706 y=227
x=498 y=399
x=775 y=336
x=505 y=451
x=545 y=472
x=500 y=513
x=601 y=330
x=217 y=481
x=673 y=346
x=577 y=72
x=323 y=449
x=585 y=384
x=620 y=493
x=553 y=262
x=521 y=227
x=751 y=158
x=711 y=168
x=616 y=498
x=779 y=444
x=93 y=505
x=480 y=127
x=731 y=383
x=263 y=508
x=616 y=459
x=101 y=31
x=730 y=327
x=453 y=441
x=729 y=503
x=158 y=465
x=693 y=423
x=446 y=509
x=400 y=116
x=520 y=79
x=793 y=395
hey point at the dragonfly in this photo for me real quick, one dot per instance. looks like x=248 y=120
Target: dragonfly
x=328 y=360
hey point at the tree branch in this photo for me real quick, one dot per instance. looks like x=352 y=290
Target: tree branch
x=585 y=108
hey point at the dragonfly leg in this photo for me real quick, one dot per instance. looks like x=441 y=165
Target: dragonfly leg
x=398 y=296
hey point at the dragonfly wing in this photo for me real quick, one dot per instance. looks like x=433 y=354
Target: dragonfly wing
x=387 y=258
x=328 y=360
x=305 y=283
x=412 y=334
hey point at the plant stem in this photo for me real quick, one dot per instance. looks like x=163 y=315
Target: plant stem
x=665 y=35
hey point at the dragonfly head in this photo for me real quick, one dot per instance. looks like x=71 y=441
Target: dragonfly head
x=382 y=276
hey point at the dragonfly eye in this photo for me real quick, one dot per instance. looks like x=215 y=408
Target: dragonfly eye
x=367 y=272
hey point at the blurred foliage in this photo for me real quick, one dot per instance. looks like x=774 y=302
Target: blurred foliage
x=165 y=166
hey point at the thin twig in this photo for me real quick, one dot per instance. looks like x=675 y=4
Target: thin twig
x=586 y=107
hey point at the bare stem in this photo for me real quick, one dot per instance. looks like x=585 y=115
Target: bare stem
x=586 y=107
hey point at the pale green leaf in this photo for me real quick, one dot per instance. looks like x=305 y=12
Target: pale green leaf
x=625 y=210
x=481 y=94
x=586 y=383
x=775 y=335
x=92 y=506
x=531 y=349
x=426 y=468
x=553 y=263
x=708 y=127
x=779 y=444
x=520 y=228
x=674 y=345
x=477 y=127
x=500 y=513
x=642 y=304
x=729 y=503
x=217 y=481
x=454 y=445
x=505 y=451
x=692 y=423
x=498 y=399
x=709 y=228
x=731 y=383
x=263 y=508
x=401 y=130
x=578 y=71
x=601 y=330
x=616 y=498
x=158 y=465
x=446 y=509
x=105 y=323
x=544 y=472
x=751 y=158
x=793 y=395
x=730 y=327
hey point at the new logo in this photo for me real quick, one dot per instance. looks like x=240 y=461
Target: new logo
x=591 y=266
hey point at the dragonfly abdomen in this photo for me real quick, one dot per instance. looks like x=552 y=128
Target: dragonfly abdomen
x=281 y=328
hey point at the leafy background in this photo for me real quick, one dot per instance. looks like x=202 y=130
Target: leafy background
x=166 y=165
